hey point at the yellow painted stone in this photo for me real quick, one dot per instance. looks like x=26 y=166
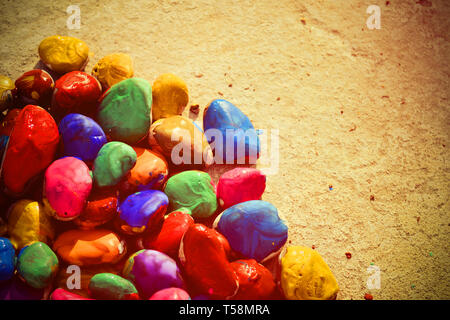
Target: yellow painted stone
x=6 y=85
x=306 y=276
x=63 y=54
x=170 y=96
x=112 y=69
x=28 y=222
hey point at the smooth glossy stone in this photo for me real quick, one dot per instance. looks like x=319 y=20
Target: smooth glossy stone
x=193 y=190
x=170 y=294
x=9 y=121
x=128 y=266
x=63 y=54
x=149 y=172
x=76 y=92
x=306 y=276
x=114 y=160
x=101 y=207
x=109 y=286
x=37 y=265
x=34 y=87
x=28 y=222
x=167 y=237
x=153 y=271
x=253 y=229
x=255 y=281
x=170 y=96
x=89 y=247
x=181 y=141
x=7 y=259
x=240 y=185
x=16 y=289
x=112 y=69
x=61 y=294
x=6 y=98
x=222 y=122
x=125 y=110
x=31 y=148
x=82 y=136
x=141 y=211
x=205 y=263
x=67 y=185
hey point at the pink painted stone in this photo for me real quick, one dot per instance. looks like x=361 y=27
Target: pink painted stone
x=61 y=294
x=240 y=185
x=170 y=294
x=67 y=186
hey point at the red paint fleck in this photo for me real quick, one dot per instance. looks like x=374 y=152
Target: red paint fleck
x=418 y=219
x=368 y=296
x=352 y=129
x=313 y=247
x=278 y=99
x=348 y=255
x=230 y=85
x=372 y=198
x=387 y=3
x=424 y=3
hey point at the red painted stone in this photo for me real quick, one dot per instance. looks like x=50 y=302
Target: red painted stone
x=61 y=294
x=34 y=87
x=8 y=122
x=76 y=92
x=205 y=263
x=167 y=238
x=255 y=281
x=31 y=147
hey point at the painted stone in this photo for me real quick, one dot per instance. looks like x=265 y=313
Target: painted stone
x=9 y=121
x=125 y=110
x=128 y=266
x=6 y=98
x=34 y=87
x=37 y=265
x=7 y=259
x=223 y=122
x=76 y=92
x=255 y=281
x=253 y=229
x=109 y=286
x=170 y=294
x=16 y=289
x=167 y=237
x=205 y=263
x=153 y=271
x=240 y=185
x=193 y=190
x=170 y=96
x=112 y=69
x=141 y=211
x=89 y=247
x=29 y=222
x=180 y=140
x=149 y=172
x=82 y=136
x=31 y=148
x=306 y=276
x=101 y=207
x=63 y=54
x=114 y=160
x=61 y=294
x=67 y=185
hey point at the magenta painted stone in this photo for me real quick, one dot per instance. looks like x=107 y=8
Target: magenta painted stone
x=170 y=294
x=240 y=185
x=67 y=186
x=153 y=271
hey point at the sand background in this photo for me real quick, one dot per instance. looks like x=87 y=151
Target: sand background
x=331 y=75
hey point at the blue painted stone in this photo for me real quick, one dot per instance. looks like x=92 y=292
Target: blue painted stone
x=253 y=228
x=141 y=211
x=82 y=136
x=223 y=115
x=7 y=259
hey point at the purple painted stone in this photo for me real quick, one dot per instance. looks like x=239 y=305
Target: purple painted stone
x=153 y=271
x=15 y=289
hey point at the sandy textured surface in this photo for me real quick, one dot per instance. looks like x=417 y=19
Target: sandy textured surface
x=366 y=111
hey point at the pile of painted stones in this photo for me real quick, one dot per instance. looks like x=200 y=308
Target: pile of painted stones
x=105 y=193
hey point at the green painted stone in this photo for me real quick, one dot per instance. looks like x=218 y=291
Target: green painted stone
x=109 y=286
x=114 y=160
x=193 y=190
x=37 y=265
x=125 y=111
